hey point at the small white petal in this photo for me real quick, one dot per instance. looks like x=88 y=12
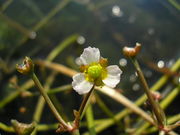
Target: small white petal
x=80 y=84
x=113 y=77
x=89 y=55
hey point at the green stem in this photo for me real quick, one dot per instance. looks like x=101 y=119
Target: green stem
x=6 y=128
x=170 y=120
x=59 y=6
x=33 y=7
x=46 y=127
x=84 y=103
x=106 y=110
x=60 y=89
x=171 y=96
x=48 y=101
x=155 y=107
x=17 y=26
x=175 y=4
x=41 y=102
x=90 y=120
x=79 y=115
x=5 y=5
x=16 y=93
x=75 y=132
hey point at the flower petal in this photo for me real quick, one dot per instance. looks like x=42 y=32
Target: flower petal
x=113 y=77
x=80 y=84
x=89 y=55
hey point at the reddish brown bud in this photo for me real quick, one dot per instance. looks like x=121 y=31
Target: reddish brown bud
x=26 y=67
x=132 y=52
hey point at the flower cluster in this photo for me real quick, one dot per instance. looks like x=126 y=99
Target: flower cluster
x=94 y=71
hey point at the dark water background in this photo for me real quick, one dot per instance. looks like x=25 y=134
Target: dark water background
x=107 y=25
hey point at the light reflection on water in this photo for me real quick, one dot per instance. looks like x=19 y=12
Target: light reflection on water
x=116 y=11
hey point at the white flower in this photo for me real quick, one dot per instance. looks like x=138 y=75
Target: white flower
x=94 y=72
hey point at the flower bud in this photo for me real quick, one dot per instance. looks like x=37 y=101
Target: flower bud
x=132 y=52
x=26 y=67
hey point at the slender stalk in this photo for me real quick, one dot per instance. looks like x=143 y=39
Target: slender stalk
x=59 y=6
x=17 y=26
x=5 y=5
x=46 y=127
x=61 y=46
x=16 y=93
x=171 y=96
x=155 y=107
x=41 y=102
x=80 y=113
x=106 y=110
x=6 y=128
x=84 y=103
x=48 y=101
x=126 y=102
x=170 y=120
x=175 y=4
x=56 y=51
x=33 y=7
x=60 y=89
x=90 y=120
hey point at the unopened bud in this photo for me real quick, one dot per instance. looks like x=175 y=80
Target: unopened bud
x=132 y=51
x=26 y=67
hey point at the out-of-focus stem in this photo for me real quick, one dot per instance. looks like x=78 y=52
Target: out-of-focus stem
x=105 y=108
x=175 y=4
x=5 y=5
x=90 y=120
x=16 y=93
x=59 y=6
x=6 y=128
x=18 y=27
x=126 y=102
x=61 y=46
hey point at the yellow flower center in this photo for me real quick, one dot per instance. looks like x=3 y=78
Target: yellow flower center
x=94 y=71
